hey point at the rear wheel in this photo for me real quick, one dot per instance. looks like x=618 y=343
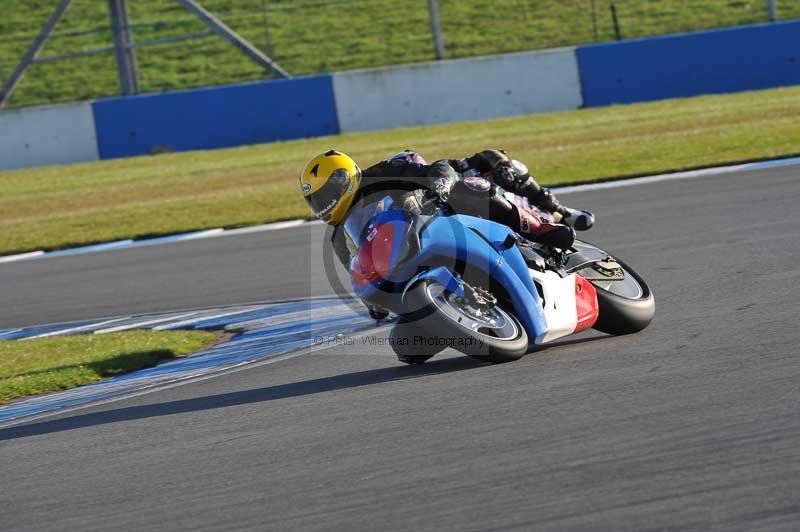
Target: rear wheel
x=626 y=305
x=480 y=329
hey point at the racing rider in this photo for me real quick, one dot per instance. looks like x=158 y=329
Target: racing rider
x=334 y=186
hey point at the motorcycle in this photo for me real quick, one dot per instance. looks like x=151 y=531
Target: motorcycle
x=479 y=287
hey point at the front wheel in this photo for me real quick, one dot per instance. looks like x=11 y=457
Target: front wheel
x=626 y=305
x=409 y=343
x=484 y=331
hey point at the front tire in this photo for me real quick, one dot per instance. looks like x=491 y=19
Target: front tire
x=491 y=334
x=624 y=311
x=404 y=338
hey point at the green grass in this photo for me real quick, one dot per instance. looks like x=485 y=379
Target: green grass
x=312 y=36
x=45 y=365
x=62 y=206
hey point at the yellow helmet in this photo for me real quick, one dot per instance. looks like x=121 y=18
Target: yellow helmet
x=329 y=182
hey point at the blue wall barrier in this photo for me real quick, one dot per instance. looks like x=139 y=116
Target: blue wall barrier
x=673 y=66
x=728 y=60
x=216 y=117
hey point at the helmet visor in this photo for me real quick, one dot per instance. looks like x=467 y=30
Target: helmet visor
x=325 y=200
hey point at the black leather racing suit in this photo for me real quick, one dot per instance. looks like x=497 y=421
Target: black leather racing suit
x=496 y=166
x=407 y=183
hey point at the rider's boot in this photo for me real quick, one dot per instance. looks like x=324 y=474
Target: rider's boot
x=580 y=220
x=544 y=199
x=533 y=228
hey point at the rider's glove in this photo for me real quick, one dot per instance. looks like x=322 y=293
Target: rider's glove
x=433 y=198
x=376 y=313
x=441 y=192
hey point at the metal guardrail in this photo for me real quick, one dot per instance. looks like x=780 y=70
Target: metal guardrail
x=313 y=36
x=124 y=48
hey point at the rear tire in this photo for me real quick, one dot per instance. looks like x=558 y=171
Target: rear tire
x=621 y=315
x=428 y=315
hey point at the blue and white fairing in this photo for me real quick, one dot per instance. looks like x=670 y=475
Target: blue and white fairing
x=405 y=248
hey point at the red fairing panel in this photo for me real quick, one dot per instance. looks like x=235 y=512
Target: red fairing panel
x=374 y=258
x=585 y=303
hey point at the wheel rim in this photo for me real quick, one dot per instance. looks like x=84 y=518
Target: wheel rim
x=628 y=287
x=492 y=322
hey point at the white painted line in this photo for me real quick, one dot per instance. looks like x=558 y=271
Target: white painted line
x=21 y=256
x=270 y=227
x=200 y=234
x=139 y=324
x=75 y=329
x=184 y=323
x=8 y=333
x=690 y=174
x=91 y=248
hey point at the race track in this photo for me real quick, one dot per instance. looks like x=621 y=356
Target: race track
x=693 y=424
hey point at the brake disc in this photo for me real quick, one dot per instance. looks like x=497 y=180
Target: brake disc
x=607 y=270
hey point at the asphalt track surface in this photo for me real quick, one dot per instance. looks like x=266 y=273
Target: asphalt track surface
x=693 y=424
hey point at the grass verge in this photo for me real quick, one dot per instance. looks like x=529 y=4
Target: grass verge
x=311 y=36
x=45 y=365
x=62 y=206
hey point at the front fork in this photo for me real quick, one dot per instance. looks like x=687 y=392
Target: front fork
x=441 y=275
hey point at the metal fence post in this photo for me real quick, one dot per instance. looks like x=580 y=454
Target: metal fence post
x=615 y=19
x=267 y=37
x=772 y=10
x=221 y=29
x=123 y=47
x=30 y=55
x=436 y=28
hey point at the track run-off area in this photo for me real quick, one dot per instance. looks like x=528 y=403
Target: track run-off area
x=692 y=424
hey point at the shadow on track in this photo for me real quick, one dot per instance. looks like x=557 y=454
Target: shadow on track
x=271 y=393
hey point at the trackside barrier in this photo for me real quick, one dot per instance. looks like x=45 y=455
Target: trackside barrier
x=216 y=117
x=728 y=60
x=47 y=135
x=476 y=88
